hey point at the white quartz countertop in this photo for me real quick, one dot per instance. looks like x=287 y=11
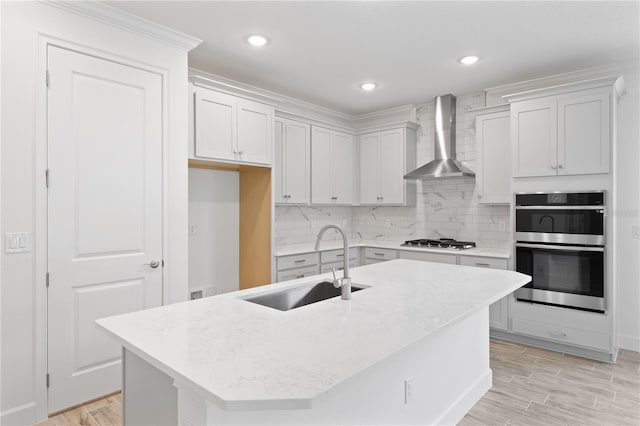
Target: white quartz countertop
x=499 y=253
x=244 y=356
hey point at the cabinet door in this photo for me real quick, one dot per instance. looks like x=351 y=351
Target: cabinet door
x=342 y=157
x=215 y=125
x=392 y=155
x=493 y=145
x=369 y=168
x=255 y=132
x=321 y=174
x=583 y=133
x=279 y=162
x=297 y=157
x=534 y=137
x=498 y=311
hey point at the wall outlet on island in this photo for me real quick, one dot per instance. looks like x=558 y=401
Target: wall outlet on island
x=502 y=225
x=387 y=223
x=408 y=390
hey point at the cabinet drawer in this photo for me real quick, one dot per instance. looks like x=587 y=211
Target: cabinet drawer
x=326 y=267
x=338 y=255
x=293 y=274
x=567 y=335
x=429 y=257
x=380 y=253
x=297 y=261
x=483 y=262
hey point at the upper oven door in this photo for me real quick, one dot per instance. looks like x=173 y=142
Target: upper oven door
x=560 y=224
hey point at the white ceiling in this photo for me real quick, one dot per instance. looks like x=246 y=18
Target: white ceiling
x=320 y=51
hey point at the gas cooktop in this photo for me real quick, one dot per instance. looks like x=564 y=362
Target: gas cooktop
x=443 y=243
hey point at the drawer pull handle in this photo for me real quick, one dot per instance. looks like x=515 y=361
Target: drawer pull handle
x=339 y=255
x=300 y=261
x=483 y=264
x=300 y=276
x=334 y=198
x=378 y=254
x=557 y=333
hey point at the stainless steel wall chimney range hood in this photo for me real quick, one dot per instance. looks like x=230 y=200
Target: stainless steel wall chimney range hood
x=444 y=164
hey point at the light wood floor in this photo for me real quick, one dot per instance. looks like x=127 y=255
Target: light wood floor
x=531 y=386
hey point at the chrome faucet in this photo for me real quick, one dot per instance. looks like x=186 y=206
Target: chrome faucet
x=344 y=283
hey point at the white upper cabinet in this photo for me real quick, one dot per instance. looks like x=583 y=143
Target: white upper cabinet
x=231 y=128
x=385 y=157
x=332 y=165
x=292 y=162
x=493 y=170
x=564 y=134
x=583 y=133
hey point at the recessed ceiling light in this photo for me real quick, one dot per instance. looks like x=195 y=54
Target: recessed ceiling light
x=368 y=86
x=469 y=60
x=256 y=40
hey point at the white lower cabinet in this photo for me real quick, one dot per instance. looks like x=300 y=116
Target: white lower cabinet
x=297 y=266
x=375 y=255
x=498 y=311
x=429 y=257
x=571 y=336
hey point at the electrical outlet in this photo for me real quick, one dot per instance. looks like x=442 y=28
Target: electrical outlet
x=387 y=223
x=408 y=390
x=502 y=225
x=196 y=295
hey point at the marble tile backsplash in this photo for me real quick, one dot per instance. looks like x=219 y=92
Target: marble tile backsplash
x=445 y=208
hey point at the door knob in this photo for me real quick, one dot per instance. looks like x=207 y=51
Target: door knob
x=153 y=264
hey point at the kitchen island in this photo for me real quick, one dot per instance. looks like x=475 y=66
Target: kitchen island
x=410 y=348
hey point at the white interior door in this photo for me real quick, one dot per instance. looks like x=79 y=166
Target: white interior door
x=104 y=215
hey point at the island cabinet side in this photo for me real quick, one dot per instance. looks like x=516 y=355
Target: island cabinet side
x=448 y=371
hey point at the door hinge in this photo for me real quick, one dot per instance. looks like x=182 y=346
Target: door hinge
x=48 y=79
x=46 y=177
x=47 y=280
x=47 y=379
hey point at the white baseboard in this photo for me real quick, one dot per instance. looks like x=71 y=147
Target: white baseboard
x=461 y=407
x=21 y=415
x=631 y=343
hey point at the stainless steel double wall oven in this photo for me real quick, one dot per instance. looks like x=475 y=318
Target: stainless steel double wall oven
x=561 y=242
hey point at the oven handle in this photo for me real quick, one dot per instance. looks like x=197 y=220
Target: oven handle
x=560 y=208
x=561 y=248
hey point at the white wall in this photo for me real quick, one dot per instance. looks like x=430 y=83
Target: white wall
x=214 y=230
x=627 y=214
x=23 y=26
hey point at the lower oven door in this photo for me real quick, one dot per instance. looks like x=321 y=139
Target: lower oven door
x=568 y=276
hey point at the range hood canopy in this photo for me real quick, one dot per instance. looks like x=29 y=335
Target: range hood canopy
x=445 y=163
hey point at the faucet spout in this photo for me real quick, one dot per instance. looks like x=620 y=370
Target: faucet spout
x=345 y=282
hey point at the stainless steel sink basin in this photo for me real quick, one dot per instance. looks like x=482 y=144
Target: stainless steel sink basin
x=295 y=297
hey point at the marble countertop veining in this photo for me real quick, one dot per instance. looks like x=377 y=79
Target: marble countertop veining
x=500 y=253
x=244 y=356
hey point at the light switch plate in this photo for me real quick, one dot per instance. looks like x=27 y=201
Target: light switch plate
x=17 y=242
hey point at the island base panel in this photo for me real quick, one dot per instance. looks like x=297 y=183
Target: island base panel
x=148 y=395
x=449 y=370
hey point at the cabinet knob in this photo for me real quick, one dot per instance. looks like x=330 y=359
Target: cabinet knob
x=334 y=198
x=560 y=166
x=235 y=151
x=240 y=152
x=553 y=166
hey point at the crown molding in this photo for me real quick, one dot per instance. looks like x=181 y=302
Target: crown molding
x=299 y=110
x=490 y=109
x=617 y=69
x=220 y=86
x=616 y=82
x=115 y=17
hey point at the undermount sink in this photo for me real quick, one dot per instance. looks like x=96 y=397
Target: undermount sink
x=292 y=298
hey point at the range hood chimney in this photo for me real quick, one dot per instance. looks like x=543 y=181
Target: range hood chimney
x=444 y=164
